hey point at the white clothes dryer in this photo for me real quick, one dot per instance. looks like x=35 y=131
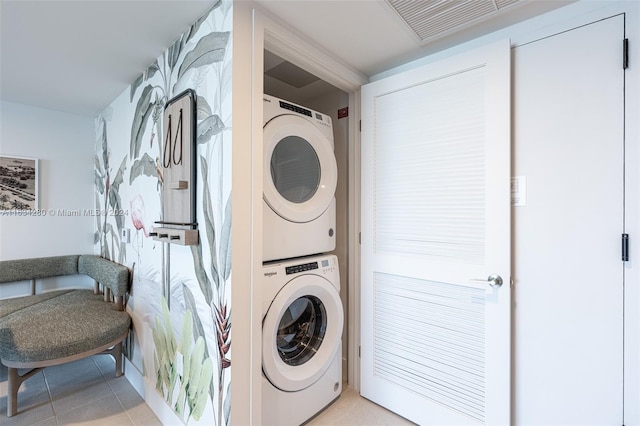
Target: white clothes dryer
x=301 y=339
x=299 y=183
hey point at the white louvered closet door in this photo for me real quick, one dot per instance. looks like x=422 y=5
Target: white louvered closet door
x=435 y=343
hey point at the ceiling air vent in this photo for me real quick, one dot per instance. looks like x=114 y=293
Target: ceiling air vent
x=430 y=19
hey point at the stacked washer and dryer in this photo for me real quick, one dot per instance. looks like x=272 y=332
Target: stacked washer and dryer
x=302 y=311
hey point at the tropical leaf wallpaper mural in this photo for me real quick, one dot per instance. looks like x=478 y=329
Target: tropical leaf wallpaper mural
x=181 y=341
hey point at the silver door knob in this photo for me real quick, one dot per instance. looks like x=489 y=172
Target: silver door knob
x=493 y=280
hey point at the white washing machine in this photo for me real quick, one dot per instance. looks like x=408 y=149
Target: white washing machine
x=299 y=184
x=301 y=339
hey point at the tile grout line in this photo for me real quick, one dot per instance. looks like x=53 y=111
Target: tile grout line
x=49 y=383
x=124 y=408
x=52 y=399
x=53 y=407
x=113 y=391
x=90 y=403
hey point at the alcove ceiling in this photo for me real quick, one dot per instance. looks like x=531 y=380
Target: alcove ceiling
x=78 y=56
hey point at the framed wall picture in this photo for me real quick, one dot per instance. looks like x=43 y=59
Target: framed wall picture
x=18 y=183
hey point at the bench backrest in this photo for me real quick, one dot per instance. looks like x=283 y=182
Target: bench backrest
x=108 y=273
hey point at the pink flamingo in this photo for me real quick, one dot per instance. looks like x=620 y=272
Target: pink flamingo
x=138 y=214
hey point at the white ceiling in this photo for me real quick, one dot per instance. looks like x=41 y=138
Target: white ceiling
x=78 y=56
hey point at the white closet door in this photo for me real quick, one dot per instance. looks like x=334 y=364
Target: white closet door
x=568 y=273
x=435 y=226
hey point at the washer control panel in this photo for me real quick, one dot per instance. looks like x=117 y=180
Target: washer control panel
x=302 y=268
x=326 y=265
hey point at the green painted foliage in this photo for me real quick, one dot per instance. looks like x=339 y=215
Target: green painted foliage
x=181 y=366
x=144 y=166
x=108 y=187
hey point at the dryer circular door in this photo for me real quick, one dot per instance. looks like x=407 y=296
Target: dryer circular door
x=300 y=171
x=301 y=333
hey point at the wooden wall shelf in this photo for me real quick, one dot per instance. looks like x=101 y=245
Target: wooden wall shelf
x=185 y=237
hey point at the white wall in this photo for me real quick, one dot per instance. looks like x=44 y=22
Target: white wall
x=64 y=145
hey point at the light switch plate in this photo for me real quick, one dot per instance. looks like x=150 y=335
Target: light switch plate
x=519 y=191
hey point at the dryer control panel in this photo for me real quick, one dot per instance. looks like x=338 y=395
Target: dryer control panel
x=321 y=119
x=296 y=108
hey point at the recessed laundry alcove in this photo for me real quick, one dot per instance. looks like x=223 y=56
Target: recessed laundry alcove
x=286 y=80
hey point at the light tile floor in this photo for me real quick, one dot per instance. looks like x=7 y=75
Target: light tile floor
x=85 y=392
x=81 y=392
x=350 y=409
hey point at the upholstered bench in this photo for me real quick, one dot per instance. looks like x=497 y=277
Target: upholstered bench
x=60 y=326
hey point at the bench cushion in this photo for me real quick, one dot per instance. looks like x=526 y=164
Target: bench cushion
x=9 y=306
x=68 y=324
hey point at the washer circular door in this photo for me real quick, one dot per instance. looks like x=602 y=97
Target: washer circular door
x=301 y=333
x=300 y=171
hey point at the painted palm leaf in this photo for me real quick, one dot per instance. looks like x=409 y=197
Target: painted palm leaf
x=144 y=108
x=209 y=49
